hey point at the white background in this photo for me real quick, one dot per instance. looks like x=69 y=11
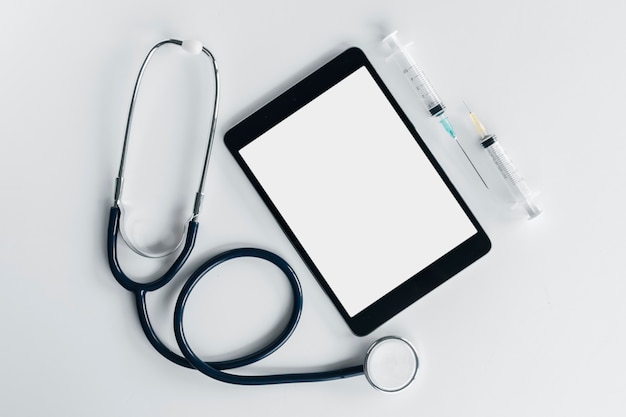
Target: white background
x=534 y=328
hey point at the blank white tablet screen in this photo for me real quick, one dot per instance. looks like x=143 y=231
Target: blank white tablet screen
x=357 y=191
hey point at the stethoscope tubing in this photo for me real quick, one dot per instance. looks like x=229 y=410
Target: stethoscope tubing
x=189 y=358
x=116 y=269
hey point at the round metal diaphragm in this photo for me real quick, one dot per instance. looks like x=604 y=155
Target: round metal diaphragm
x=390 y=364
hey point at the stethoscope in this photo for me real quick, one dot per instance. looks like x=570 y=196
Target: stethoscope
x=390 y=362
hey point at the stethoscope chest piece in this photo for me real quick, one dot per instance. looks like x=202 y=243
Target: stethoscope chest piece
x=390 y=364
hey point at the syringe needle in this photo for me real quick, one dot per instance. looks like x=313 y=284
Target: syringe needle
x=470 y=161
x=479 y=126
x=448 y=127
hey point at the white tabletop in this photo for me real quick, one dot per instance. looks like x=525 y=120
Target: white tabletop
x=533 y=328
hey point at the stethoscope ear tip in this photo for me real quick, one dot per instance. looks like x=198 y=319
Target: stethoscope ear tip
x=194 y=47
x=390 y=364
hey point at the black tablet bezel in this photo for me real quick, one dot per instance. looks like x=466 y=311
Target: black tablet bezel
x=422 y=282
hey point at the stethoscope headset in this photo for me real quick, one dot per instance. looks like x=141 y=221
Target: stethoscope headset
x=390 y=362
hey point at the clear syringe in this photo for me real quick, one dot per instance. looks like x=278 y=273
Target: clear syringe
x=512 y=177
x=416 y=77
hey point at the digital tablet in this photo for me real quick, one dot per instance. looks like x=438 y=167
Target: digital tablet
x=357 y=192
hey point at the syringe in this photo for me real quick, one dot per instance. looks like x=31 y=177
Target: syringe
x=512 y=177
x=416 y=77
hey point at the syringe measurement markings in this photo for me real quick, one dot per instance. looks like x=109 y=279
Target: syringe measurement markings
x=504 y=163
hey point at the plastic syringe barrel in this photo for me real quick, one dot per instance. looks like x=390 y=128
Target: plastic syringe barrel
x=414 y=75
x=512 y=177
